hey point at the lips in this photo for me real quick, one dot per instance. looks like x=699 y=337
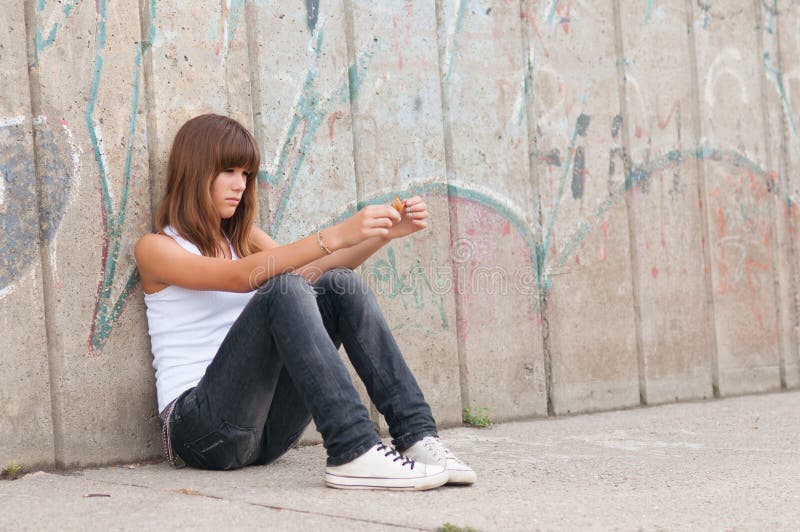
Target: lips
x=233 y=200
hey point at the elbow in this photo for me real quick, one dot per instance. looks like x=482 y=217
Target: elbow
x=249 y=280
x=244 y=279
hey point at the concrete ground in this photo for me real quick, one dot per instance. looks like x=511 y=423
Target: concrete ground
x=729 y=464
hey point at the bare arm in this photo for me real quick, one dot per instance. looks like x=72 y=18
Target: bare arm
x=413 y=220
x=163 y=262
x=351 y=257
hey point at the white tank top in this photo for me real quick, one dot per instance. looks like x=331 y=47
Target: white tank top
x=186 y=329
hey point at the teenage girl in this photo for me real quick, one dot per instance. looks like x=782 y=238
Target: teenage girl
x=245 y=332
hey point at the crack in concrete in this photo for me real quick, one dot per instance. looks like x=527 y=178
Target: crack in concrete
x=196 y=493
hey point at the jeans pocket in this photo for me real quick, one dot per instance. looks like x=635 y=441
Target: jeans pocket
x=228 y=447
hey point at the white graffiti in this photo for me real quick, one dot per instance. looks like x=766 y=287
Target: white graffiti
x=634 y=94
x=725 y=63
x=737 y=250
x=75 y=154
x=12 y=121
x=6 y=291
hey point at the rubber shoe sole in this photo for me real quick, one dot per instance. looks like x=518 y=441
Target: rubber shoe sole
x=427 y=482
x=463 y=478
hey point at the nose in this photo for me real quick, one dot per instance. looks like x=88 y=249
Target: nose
x=241 y=182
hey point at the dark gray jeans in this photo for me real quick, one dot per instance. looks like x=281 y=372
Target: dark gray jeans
x=279 y=367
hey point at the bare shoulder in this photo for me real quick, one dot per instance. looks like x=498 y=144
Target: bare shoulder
x=151 y=245
x=163 y=262
x=152 y=250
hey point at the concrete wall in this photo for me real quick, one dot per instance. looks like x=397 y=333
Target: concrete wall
x=611 y=187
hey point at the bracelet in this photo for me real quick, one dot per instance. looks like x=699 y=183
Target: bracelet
x=322 y=245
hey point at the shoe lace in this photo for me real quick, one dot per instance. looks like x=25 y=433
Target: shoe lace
x=438 y=449
x=391 y=451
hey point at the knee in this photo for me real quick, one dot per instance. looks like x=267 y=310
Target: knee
x=284 y=286
x=341 y=281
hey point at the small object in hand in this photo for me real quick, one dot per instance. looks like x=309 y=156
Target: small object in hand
x=399 y=204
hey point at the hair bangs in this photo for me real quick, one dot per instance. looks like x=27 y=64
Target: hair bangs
x=237 y=148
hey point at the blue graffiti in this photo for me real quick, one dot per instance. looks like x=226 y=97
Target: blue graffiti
x=22 y=220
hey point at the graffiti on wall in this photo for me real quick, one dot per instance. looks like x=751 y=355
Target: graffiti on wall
x=28 y=217
x=109 y=306
x=311 y=111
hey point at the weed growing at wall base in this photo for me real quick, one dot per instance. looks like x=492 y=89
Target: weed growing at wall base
x=12 y=472
x=449 y=527
x=477 y=417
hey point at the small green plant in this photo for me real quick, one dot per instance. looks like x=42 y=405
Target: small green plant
x=12 y=472
x=449 y=527
x=477 y=417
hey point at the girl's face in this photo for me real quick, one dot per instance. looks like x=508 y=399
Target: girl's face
x=227 y=189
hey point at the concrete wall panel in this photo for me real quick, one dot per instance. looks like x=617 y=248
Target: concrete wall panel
x=303 y=122
x=782 y=77
x=303 y=119
x=559 y=145
x=484 y=90
x=26 y=428
x=90 y=84
x=739 y=201
x=399 y=149
x=195 y=62
x=586 y=267
x=667 y=226
x=769 y=61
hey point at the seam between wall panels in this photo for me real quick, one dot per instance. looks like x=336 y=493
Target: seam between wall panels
x=784 y=166
x=775 y=213
x=447 y=131
x=55 y=365
x=352 y=66
x=534 y=176
x=697 y=130
x=147 y=32
x=256 y=97
x=633 y=248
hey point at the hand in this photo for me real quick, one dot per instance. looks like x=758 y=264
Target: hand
x=371 y=221
x=414 y=216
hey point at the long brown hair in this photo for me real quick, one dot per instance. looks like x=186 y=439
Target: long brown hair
x=203 y=147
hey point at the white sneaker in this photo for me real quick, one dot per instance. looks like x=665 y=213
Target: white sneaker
x=429 y=450
x=383 y=468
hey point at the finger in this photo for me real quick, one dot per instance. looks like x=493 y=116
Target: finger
x=378 y=209
x=422 y=224
x=378 y=231
x=379 y=222
x=418 y=215
x=381 y=211
x=413 y=201
x=390 y=211
x=419 y=207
